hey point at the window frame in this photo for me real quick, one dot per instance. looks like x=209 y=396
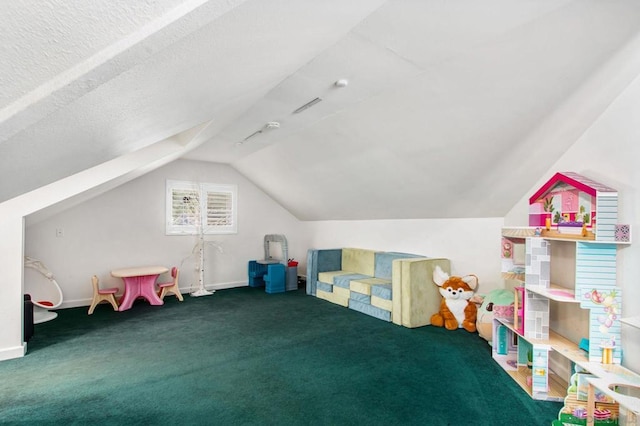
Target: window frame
x=202 y=210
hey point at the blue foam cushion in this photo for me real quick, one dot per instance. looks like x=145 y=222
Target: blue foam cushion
x=329 y=260
x=343 y=280
x=324 y=287
x=383 y=291
x=384 y=262
x=362 y=298
x=321 y=261
x=370 y=310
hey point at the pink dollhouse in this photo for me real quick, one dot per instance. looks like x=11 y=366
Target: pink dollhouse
x=574 y=204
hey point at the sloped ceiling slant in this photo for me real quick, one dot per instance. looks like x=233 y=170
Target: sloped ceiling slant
x=453 y=109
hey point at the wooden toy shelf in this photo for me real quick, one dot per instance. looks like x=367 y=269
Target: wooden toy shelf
x=619 y=384
x=555 y=292
x=590 y=236
x=513 y=276
x=565 y=237
x=557 y=386
x=572 y=262
x=566 y=261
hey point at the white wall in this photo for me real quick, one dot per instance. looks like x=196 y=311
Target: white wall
x=126 y=227
x=472 y=245
x=608 y=152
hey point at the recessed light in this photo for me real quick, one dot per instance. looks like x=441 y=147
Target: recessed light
x=343 y=82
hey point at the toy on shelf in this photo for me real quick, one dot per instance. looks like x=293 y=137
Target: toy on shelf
x=518 y=309
x=498 y=303
x=570 y=205
x=512 y=252
x=456 y=309
x=611 y=396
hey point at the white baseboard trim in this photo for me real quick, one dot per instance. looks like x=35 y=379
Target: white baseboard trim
x=184 y=290
x=222 y=286
x=13 y=352
x=75 y=303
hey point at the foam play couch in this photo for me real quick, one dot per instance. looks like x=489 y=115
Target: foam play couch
x=396 y=287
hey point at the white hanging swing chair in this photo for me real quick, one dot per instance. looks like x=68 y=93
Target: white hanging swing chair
x=43 y=297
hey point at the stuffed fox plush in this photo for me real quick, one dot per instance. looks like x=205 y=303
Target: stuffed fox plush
x=456 y=310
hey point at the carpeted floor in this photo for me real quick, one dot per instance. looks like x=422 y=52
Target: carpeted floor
x=244 y=357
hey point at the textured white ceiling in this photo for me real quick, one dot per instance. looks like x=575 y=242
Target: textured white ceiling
x=448 y=106
x=41 y=39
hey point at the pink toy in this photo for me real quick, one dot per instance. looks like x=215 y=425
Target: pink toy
x=602 y=414
x=503 y=311
x=518 y=310
x=580 y=412
x=139 y=282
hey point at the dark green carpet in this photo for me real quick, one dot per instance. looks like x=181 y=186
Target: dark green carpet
x=244 y=357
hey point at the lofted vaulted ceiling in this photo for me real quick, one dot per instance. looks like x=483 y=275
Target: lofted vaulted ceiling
x=452 y=108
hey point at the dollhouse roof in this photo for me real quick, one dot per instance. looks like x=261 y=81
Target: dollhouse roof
x=575 y=180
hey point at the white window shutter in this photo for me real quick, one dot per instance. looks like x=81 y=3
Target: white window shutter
x=189 y=205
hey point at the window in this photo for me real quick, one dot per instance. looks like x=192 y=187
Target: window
x=208 y=208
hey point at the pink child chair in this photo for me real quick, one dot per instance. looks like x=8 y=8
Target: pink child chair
x=171 y=286
x=102 y=295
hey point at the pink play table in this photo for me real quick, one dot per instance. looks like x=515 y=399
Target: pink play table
x=140 y=281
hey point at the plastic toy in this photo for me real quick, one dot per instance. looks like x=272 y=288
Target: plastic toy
x=484 y=322
x=518 y=317
x=276 y=272
x=577 y=206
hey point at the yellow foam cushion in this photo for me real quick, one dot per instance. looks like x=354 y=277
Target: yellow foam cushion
x=415 y=296
x=343 y=293
x=327 y=277
x=364 y=286
x=361 y=261
x=385 y=304
x=333 y=298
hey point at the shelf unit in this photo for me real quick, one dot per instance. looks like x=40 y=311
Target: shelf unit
x=593 y=288
x=554 y=292
x=620 y=385
x=577 y=216
x=512 y=253
x=544 y=384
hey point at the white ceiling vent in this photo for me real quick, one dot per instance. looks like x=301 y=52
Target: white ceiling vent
x=257 y=132
x=307 y=105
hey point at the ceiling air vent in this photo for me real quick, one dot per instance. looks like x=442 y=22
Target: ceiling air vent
x=257 y=132
x=307 y=105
